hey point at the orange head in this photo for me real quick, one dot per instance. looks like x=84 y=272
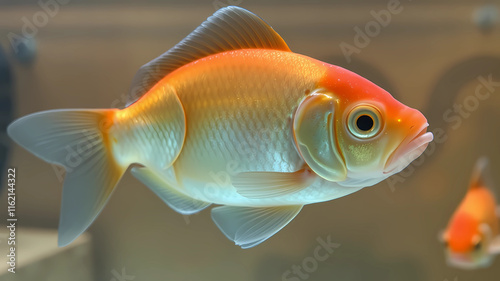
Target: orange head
x=370 y=135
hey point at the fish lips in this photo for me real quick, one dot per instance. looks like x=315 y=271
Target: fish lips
x=408 y=150
x=465 y=261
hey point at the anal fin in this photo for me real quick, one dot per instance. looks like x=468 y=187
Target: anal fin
x=181 y=203
x=250 y=226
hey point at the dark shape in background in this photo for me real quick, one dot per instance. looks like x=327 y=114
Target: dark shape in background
x=24 y=49
x=452 y=81
x=485 y=17
x=6 y=114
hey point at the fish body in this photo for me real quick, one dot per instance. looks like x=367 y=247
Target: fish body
x=249 y=131
x=472 y=237
x=230 y=116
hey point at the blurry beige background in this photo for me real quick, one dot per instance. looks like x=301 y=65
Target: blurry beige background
x=429 y=56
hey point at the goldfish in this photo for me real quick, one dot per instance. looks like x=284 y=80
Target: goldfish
x=472 y=237
x=229 y=116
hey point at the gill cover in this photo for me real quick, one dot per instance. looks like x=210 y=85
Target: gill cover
x=314 y=131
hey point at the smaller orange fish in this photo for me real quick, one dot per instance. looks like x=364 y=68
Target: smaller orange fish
x=472 y=237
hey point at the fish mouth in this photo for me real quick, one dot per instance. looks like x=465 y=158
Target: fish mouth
x=460 y=260
x=466 y=262
x=408 y=150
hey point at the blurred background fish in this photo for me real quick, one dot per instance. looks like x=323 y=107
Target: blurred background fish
x=472 y=237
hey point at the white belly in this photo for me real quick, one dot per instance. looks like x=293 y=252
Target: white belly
x=220 y=191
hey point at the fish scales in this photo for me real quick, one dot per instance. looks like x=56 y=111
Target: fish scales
x=246 y=122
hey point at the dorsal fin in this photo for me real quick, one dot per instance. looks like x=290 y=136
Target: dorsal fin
x=479 y=178
x=229 y=28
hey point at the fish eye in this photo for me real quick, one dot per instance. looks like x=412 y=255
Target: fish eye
x=364 y=122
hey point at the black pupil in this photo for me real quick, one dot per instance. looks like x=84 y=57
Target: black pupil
x=364 y=123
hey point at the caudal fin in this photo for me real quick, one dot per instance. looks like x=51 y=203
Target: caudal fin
x=78 y=141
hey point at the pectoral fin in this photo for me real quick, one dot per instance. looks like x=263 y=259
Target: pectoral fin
x=248 y=226
x=181 y=203
x=258 y=185
x=495 y=246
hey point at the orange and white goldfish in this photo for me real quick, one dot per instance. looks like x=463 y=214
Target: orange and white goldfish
x=230 y=116
x=472 y=237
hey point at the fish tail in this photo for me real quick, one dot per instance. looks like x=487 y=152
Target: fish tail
x=78 y=140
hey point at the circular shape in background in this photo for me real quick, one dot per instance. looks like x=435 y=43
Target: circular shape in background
x=485 y=17
x=452 y=81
